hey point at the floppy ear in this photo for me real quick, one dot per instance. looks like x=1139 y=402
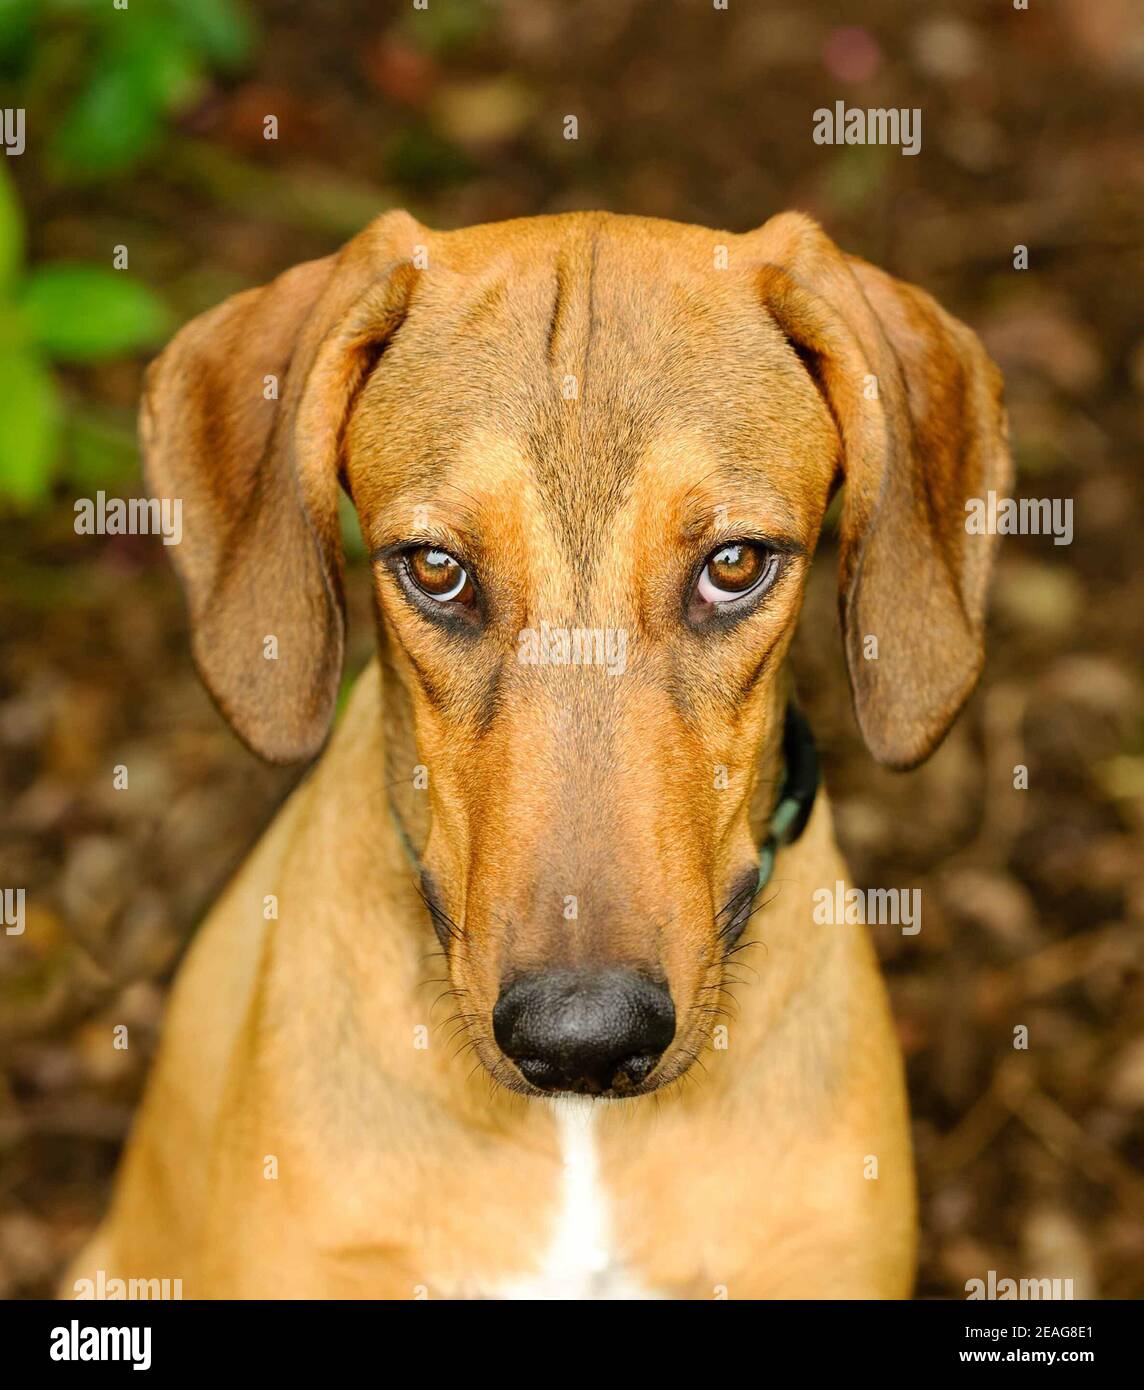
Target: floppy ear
x=917 y=404
x=242 y=422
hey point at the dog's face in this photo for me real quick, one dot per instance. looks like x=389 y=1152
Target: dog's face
x=590 y=458
x=590 y=530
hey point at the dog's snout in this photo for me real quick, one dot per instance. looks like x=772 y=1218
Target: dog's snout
x=594 y=1033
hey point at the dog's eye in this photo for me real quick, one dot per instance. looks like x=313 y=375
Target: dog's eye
x=736 y=570
x=438 y=575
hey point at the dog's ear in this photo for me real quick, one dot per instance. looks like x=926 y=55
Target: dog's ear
x=917 y=404
x=242 y=422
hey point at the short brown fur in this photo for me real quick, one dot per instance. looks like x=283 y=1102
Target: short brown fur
x=583 y=407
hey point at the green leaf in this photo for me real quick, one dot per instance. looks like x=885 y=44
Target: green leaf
x=11 y=232
x=145 y=69
x=163 y=63
x=29 y=441
x=221 y=30
x=112 y=123
x=17 y=34
x=80 y=313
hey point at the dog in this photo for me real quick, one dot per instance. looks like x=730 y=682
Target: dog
x=590 y=456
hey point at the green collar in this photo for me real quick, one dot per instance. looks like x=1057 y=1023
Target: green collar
x=796 y=795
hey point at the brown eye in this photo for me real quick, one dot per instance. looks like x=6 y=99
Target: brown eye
x=438 y=575
x=735 y=570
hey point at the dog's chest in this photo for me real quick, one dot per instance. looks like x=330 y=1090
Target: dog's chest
x=579 y=1260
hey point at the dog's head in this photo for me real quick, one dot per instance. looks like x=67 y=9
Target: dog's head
x=590 y=457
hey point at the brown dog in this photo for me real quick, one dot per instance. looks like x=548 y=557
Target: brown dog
x=590 y=456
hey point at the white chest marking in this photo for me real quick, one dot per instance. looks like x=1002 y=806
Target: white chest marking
x=579 y=1263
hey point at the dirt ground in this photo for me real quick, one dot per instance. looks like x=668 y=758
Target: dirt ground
x=1030 y=1161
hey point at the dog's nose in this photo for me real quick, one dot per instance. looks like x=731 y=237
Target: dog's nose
x=595 y=1033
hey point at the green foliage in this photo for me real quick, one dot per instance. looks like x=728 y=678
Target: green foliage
x=17 y=31
x=221 y=30
x=101 y=450
x=353 y=543
x=80 y=313
x=30 y=409
x=59 y=311
x=115 y=75
x=446 y=26
x=103 y=81
x=11 y=233
x=421 y=159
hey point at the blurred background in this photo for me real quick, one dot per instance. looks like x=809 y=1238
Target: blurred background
x=145 y=131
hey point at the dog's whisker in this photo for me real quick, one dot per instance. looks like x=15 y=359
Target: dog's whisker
x=744 y=946
x=438 y=914
x=456 y=1017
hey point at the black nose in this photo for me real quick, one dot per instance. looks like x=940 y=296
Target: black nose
x=596 y=1033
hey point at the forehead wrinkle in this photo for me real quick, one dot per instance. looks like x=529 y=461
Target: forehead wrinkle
x=587 y=452
x=485 y=305
x=558 y=442
x=555 y=321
